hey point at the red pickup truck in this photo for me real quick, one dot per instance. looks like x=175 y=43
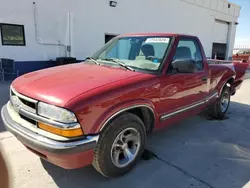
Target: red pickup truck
x=102 y=110
x=242 y=55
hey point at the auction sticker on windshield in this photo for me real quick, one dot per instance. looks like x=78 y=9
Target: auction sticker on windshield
x=157 y=40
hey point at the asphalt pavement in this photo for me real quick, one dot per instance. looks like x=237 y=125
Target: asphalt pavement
x=198 y=152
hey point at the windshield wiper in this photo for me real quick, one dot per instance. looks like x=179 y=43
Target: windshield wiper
x=119 y=63
x=92 y=59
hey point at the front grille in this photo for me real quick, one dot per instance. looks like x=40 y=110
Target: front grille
x=23 y=101
x=27 y=103
x=20 y=102
x=28 y=119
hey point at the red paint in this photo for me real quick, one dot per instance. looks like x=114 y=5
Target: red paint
x=69 y=161
x=59 y=84
x=242 y=55
x=94 y=93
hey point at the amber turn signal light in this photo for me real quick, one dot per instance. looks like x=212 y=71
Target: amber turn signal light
x=62 y=132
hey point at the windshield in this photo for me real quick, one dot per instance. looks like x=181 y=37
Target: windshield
x=145 y=53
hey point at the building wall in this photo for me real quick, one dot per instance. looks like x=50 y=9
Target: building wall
x=83 y=23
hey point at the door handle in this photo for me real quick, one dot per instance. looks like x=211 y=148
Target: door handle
x=204 y=78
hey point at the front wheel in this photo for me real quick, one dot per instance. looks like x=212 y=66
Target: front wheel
x=120 y=145
x=219 y=108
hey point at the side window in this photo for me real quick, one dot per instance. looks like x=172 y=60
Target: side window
x=189 y=49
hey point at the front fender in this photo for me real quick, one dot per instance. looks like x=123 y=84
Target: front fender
x=119 y=108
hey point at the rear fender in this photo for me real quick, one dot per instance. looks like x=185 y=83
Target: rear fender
x=240 y=69
x=227 y=79
x=228 y=83
x=231 y=72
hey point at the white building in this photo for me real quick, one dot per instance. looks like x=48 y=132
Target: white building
x=77 y=28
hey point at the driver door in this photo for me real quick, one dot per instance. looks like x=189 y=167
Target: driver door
x=183 y=90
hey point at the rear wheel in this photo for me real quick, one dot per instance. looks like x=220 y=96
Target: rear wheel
x=219 y=108
x=120 y=145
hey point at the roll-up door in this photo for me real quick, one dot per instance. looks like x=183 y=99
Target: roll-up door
x=220 y=32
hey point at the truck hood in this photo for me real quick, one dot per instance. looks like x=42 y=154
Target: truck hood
x=60 y=84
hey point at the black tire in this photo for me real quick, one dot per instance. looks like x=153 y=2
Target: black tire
x=216 y=111
x=102 y=153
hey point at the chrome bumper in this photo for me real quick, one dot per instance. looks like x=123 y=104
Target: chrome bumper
x=39 y=142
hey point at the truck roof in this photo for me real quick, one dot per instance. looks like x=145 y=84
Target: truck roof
x=155 y=34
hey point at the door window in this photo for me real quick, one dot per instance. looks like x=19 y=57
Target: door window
x=189 y=49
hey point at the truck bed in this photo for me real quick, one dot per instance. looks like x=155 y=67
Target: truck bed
x=237 y=66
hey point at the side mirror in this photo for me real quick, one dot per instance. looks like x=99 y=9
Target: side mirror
x=184 y=65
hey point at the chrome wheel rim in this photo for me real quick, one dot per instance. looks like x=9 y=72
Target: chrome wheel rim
x=125 y=147
x=224 y=101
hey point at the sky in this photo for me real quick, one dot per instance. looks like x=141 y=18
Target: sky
x=243 y=29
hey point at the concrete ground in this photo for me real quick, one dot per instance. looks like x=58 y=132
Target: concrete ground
x=194 y=153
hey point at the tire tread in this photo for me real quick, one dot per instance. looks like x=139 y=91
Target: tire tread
x=98 y=159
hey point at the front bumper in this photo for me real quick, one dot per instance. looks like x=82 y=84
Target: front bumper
x=42 y=143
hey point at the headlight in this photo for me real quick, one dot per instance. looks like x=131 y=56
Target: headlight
x=56 y=113
x=60 y=115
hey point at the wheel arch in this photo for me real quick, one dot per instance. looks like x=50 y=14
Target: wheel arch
x=144 y=112
x=229 y=81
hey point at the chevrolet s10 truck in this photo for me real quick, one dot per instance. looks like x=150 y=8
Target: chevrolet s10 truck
x=100 y=111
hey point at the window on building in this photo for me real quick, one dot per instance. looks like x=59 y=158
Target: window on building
x=12 y=35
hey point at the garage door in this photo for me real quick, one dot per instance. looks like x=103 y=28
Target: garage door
x=220 y=32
